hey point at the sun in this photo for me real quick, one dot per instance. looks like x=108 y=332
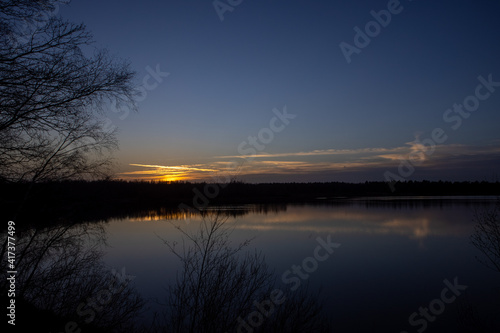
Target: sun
x=171 y=178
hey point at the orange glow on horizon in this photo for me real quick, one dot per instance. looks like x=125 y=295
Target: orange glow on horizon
x=353 y=161
x=164 y=173
x=171 y=178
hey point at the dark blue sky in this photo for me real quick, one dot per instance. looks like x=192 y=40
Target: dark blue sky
x=354 y=121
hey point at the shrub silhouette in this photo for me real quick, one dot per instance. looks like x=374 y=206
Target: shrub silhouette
x=60 y=271
x=486 y=237
x=218 y=285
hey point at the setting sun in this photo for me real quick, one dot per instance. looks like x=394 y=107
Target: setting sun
x=169 y=178
x=250 y=166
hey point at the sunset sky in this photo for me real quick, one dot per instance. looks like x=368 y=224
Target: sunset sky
x=268 y=95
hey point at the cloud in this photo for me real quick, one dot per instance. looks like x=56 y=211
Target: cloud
x=167 y=172
x=333 y=162
x=182 y=167
x=317 y=152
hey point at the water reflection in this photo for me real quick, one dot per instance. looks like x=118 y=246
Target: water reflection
x=60 y=278
x=394 y=255
x=414 y=219
x=367 y=220
x=173 y=213
x=223 y=288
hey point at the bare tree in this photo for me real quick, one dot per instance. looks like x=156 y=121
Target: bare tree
x=29 y=12
x=60 y=272
x=54 y=88
x=219 y=285
x=215 y=285
x=486 y=237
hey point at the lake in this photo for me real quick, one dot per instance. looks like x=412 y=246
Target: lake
x=391 y=260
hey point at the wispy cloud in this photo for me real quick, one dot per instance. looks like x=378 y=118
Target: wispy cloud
x=181 y=167
x=363 y=160
x=168 y=172
x=317 y=152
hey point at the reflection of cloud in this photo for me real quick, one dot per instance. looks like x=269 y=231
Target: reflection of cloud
x=364 y=160
x=419 y=227
x=356 y=219
x=360 y=220
x=414 y=228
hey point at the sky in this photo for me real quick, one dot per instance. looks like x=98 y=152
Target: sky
x=305 y=91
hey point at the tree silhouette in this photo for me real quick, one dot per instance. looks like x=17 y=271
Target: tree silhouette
x=486 y=237
x=214 y=286
x=61 y=275
x=54 y=87
x=219 y=285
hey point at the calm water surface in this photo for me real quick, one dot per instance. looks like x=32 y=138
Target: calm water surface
x=392 y=260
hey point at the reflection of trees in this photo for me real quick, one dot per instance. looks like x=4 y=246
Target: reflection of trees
x=60 y=273
x=486 y=237
x=173 y=213
x=217 y=286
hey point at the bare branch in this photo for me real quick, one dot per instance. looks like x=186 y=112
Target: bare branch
x=486 y=237
x=53 y=92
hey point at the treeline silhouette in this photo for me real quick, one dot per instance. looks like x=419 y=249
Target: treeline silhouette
x=87 y=200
